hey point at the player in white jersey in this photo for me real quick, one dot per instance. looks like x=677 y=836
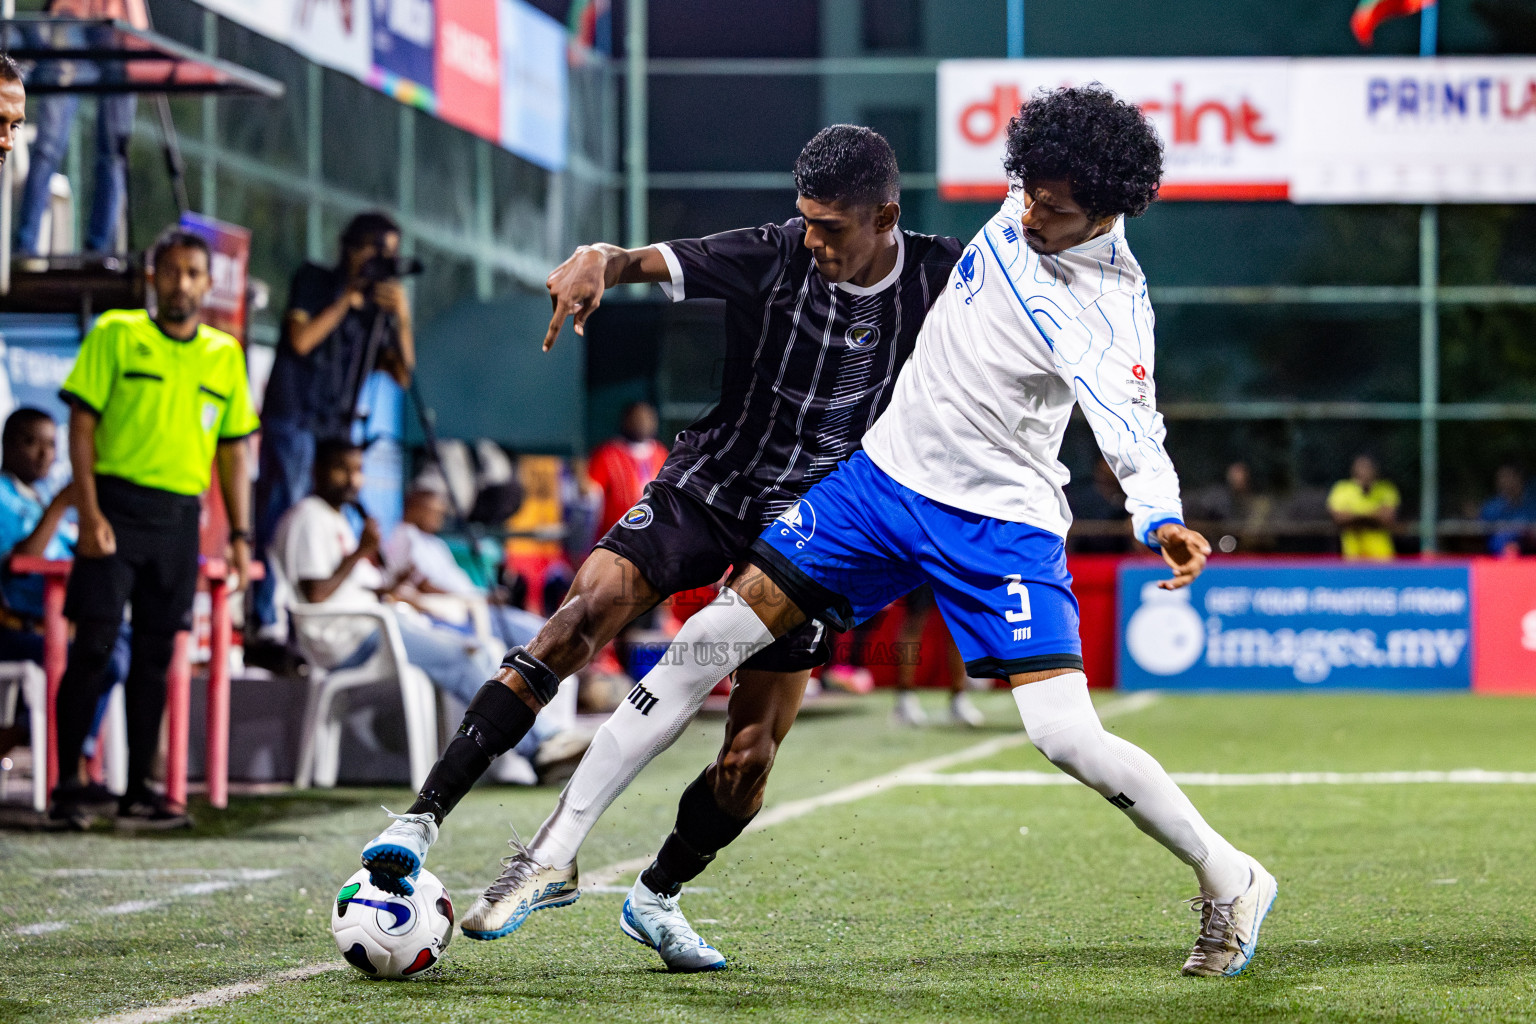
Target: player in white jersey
x=959 y=486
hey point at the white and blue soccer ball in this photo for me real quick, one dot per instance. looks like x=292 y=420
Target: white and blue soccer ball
x=389 y=936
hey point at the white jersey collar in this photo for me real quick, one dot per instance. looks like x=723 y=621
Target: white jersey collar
x=889 y=279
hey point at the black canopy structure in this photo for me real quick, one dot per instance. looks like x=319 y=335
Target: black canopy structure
x=126 y=59
x=103 y=56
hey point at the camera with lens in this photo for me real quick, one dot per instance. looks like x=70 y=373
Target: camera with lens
x=389 y=268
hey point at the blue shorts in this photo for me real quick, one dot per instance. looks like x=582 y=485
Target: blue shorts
x=858 y=540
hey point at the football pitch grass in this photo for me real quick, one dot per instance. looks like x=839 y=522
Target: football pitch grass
x=917 y=902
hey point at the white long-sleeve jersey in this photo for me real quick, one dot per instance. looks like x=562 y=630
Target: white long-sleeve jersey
x=980 y=409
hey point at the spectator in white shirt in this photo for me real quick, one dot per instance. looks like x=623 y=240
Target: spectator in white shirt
x=325 y=561
x=415 y=550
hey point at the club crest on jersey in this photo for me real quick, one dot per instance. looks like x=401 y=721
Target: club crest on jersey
x=862 y=335
x=971 y=271
x=799 y=519
x=637 y=518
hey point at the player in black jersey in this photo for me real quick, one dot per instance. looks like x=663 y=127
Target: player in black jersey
x=821 y=312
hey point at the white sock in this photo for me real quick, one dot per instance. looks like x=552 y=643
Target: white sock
x=1059 y=717
x=708 y=647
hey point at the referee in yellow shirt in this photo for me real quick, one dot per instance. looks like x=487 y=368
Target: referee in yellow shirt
x=154 y=403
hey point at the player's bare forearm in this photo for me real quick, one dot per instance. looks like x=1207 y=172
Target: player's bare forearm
x=1185 y=551
x=576 y=286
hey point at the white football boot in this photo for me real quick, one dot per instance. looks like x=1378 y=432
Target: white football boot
x=908 y=711
x=396 y=855
x=523 y=886
x=963 y=712
x=1229 y=931
x=655 y=920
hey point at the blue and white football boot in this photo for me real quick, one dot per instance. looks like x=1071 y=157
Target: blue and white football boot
x=1229 y=931
x=396 y=855
x=655 y=920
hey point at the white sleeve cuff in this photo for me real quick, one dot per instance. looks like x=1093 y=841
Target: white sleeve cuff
x=674 y=290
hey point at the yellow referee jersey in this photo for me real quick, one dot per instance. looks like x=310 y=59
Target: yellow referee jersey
x=164 y=404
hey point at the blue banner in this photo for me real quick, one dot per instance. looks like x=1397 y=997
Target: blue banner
x=404 y=32
x=1261 y=627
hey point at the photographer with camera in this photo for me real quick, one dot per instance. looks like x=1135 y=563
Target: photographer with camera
x=341 y=324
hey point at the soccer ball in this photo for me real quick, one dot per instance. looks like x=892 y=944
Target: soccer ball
x=389 y=936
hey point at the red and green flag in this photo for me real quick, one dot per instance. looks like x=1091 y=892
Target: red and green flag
x=1370 y=14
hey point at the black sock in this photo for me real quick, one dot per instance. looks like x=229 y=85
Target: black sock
x=493 y=724
x=701 y=832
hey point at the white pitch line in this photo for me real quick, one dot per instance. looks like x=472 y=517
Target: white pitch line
x=214 y=996
x=603 y=878
x=232 y=877
x=1465 y=776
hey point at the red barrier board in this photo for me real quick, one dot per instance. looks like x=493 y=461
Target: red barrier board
x=1504 y=625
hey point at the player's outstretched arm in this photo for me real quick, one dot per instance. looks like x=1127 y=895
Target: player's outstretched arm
x=576 y=286
x=1185 y=551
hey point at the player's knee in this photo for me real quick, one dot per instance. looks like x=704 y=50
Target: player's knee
x=1070 y=750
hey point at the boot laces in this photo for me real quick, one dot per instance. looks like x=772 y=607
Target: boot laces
x=516 y=868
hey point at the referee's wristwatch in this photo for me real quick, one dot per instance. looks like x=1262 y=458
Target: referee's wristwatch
x=235 y=535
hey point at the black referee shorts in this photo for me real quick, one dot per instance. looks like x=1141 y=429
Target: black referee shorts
x=155 y=565
x=679 y=543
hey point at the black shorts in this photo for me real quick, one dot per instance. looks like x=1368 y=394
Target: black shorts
x=155 y=565
x=679 y=543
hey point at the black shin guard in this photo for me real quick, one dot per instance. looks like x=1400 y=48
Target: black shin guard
x=493 y=724
x=701 y=832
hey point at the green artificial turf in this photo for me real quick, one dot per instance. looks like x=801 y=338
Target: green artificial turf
x=918 y=903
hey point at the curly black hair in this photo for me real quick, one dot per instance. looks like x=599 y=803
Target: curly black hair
x=846 y=163
x=1101 y=145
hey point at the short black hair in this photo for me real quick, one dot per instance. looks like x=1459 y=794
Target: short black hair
x=331 y=450
x=366 y=228
x=19 y=421
x=846 y=163
x=1102 y=146
x=178 y=238
x=10 y=71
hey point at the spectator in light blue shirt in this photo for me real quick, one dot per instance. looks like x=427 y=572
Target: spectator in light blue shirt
x=1511 y=511
x=32 y=523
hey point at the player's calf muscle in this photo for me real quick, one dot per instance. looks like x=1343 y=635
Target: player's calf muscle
x=739 y=776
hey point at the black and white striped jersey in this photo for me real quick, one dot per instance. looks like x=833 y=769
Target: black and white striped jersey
x=808 y=364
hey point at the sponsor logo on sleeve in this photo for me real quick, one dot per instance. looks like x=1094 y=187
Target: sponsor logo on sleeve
x=637 y=518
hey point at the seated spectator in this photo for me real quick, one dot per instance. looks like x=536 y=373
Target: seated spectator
x=1511 y=511
x=414 y=551
x=325 y=561
x=32 y=523
x=1364 y=507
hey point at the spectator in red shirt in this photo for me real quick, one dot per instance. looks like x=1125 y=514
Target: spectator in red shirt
x=623 y=465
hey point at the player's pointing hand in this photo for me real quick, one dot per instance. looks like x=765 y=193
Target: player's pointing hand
x=576 y=290
x=1185 y=551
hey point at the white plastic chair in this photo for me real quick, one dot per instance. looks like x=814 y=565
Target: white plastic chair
x=320 y=752
x=27 y=678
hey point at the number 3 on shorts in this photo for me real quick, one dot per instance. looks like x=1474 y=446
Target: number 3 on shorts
x=1016 y=586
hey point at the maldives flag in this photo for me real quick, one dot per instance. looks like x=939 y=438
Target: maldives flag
x=1371 y=13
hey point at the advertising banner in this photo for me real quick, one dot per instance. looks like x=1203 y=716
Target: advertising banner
x=496 y=68
x=469 y=66
x=1414 y=131
x=1369 y=130
x=533 y=84
x=1223 y=121
x=335 y=33
x=1504 y=625
x=403 y=58
x=1272 y=627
